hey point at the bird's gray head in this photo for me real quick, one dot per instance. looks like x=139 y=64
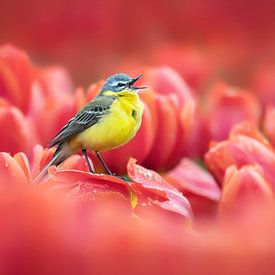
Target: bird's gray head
x=120 y=82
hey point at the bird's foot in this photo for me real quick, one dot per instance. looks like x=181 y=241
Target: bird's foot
x=120 y=177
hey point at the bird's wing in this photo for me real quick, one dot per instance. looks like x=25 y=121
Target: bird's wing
x=88 y=116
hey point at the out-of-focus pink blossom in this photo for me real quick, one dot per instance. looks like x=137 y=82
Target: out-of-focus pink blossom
x=244 y=190
x=227 y=106
x=41 y=95
x=17 y=133
x=175 y=118
x=245 y=146
x=16 y=76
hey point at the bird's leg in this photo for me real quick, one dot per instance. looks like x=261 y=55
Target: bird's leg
x=104 y=164
x=106 y=167
x=87 y=160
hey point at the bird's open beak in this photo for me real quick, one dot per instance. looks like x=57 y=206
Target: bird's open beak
x=135 y=80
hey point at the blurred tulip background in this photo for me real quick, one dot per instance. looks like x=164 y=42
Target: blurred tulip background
x=199 y=198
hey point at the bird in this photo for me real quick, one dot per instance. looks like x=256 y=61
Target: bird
x=108 y=121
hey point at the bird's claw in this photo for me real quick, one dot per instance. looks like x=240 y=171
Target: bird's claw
x=120 y=177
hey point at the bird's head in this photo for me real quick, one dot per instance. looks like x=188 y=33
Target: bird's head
x=121 y=82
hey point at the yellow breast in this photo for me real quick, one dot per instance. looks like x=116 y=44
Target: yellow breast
x=117 y=127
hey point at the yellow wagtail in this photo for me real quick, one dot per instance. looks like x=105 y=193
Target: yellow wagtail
x=109 y=121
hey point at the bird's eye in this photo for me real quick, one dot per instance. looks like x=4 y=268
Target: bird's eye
x=120 y=84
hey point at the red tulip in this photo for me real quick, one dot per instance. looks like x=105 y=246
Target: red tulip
x=41 y=94
x=17 y=133
x=147 y=188
x=151 y=188
x=245 y=189
x=13 y=170
x=16 y=76
x=228 y=106
x=196 y=145
x=46 y=109
x=175 y=118
x=61 y=235
x=244 y=147
x=74 y=177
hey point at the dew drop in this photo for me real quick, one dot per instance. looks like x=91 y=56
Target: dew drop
x=139 y=170
x=148 y=175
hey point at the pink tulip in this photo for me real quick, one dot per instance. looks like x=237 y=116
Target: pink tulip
x=175 y=118
x=227 y=106
x=245 y=146
x=17 y=133
x=16 y=76
x=245 y=190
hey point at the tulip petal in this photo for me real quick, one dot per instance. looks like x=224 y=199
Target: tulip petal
x=46 y=111
x=189 y=177
x=244 y=189
x=228 y=106
x=186 y=123
x=15 y=76
x=248 y=129
x=10 y=171
x=40 y=158
x=75 y=162
x=16 y=133
x=23 y=162
x=55 y=81
x=165 y=139
x=240 y=150
x=149 y=184
x=166 y=81
x=89 y=185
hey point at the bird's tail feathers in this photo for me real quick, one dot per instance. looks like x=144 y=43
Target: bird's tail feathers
x=62 y=152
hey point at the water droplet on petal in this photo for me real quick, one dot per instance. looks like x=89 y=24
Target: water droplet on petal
x=148 y=175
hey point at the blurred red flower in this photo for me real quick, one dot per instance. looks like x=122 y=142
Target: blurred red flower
x=34 y=99
x=244 y=190
x=73 y=177
x=245 y=146
x=45 y=230
x=227 y=106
